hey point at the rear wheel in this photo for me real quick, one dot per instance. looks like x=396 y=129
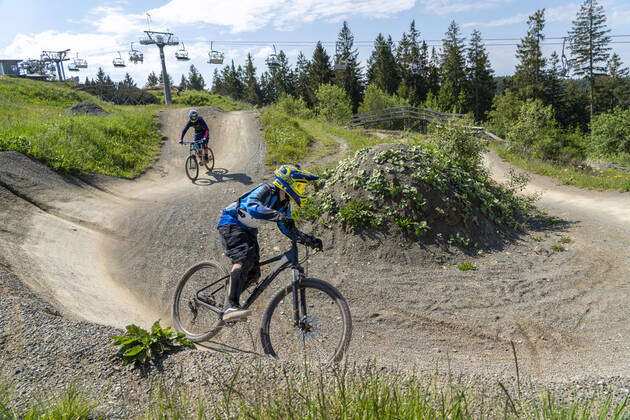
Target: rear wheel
x=192 y=167
x=323 y=331
x=210 y=163
x=192 y=317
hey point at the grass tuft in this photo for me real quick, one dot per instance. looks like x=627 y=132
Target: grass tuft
x=466 y=266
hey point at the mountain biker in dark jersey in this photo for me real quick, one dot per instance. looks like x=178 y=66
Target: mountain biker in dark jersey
x=238 y=228
x=202 y=132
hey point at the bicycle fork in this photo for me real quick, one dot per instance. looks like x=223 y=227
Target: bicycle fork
x=300 y=315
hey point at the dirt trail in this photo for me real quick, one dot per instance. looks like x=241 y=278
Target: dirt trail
x=110 y=251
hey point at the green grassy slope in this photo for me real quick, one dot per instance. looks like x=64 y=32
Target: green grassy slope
x=34 y=121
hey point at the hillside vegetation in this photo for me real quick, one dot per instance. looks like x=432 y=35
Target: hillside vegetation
x=36 y=122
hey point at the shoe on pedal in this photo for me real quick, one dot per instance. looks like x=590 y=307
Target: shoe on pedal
x=235 y=314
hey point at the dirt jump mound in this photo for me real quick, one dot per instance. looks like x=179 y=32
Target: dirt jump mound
x=399 y=194
x=87 y=108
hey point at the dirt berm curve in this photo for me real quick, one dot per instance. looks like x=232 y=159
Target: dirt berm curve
x=110 y=251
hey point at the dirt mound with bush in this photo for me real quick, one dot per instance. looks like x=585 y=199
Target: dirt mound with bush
x=87 y=108
x=393 y=196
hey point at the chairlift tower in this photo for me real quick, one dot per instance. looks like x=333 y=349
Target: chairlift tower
x=161 y=39
x=56 y=57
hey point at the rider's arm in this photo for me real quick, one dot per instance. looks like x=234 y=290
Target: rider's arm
x=255 y=203
x=287 y=227
x=186 y=127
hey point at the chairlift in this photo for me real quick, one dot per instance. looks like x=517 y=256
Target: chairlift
x=118 y=61
x=135 y=56
x=182 y=53
x=72 y=67
x=272 y=60
x=214 y=57
x=79 y=63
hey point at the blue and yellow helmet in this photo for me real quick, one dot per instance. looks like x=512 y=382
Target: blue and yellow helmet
x=293 y=180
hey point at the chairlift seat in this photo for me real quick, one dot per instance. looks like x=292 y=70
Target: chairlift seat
x=80 y=63
x=215 y=57
x=118 y=62
x=72 y=67
x=182 y=55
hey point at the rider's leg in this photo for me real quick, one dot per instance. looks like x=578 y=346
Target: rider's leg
x=241 y=247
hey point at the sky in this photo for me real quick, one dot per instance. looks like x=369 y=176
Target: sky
x=98 y=30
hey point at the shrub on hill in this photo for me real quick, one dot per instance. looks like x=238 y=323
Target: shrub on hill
x=333 y=104
x=611 y=133
x=417 y=192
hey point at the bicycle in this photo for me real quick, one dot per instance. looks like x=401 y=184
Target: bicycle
x=308 y=317
x=196 y=156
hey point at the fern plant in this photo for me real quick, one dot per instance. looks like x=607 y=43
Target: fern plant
x=138 y=346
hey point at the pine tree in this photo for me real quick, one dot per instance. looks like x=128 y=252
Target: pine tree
x=433 y=74
x=234 y=86
x=412 y=59
x=613 y=90
x=253 y=94
x=301 y=76
x=554 y=89
x=320 y=72
x=217 y=83
x=101 y=77
x=282 y=77
x=161 y=78
x=195 y=79
x=128 y=81
x=267 y=88
x=481 y=81
x=589 y=44
x=383 y=71
x=454 y=85
x=152 y=80
x=530 y=71
x=348 y=78
x=183 y=83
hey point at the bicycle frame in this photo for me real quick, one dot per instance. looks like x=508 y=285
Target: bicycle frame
x=289 y=258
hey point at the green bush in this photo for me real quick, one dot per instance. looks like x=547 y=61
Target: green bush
x=463 y=147
x=139 y=347
x=505 y=111
x=376 y=99
x=358 y=214
x=333 y=104
x=611 y=133
x=294 y=107
x=532 y=121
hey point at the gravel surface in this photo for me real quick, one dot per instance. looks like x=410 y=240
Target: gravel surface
x=566 y=311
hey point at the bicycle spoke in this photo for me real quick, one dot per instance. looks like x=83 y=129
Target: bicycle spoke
x=317 y=337
x=196 y=318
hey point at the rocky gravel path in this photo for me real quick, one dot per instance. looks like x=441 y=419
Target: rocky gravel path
x=68 y=239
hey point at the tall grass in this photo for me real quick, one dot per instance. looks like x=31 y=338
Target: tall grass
x=286 y=141
x=35 y=122
x=274 y=391
x=592 y=180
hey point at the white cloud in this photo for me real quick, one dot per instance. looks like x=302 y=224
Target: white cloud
x=114 y=20
x=563 y=13
x=249 y=15
x=443 y=7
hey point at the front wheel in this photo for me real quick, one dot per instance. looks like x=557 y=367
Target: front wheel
x=323 y=329
x=192 y=167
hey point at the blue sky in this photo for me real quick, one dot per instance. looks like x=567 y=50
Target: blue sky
x=96 y=30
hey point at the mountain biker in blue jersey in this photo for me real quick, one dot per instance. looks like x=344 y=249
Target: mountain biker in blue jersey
x=202 y=132
x=238 y=228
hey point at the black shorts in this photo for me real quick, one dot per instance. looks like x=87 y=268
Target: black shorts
x=240 y=245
